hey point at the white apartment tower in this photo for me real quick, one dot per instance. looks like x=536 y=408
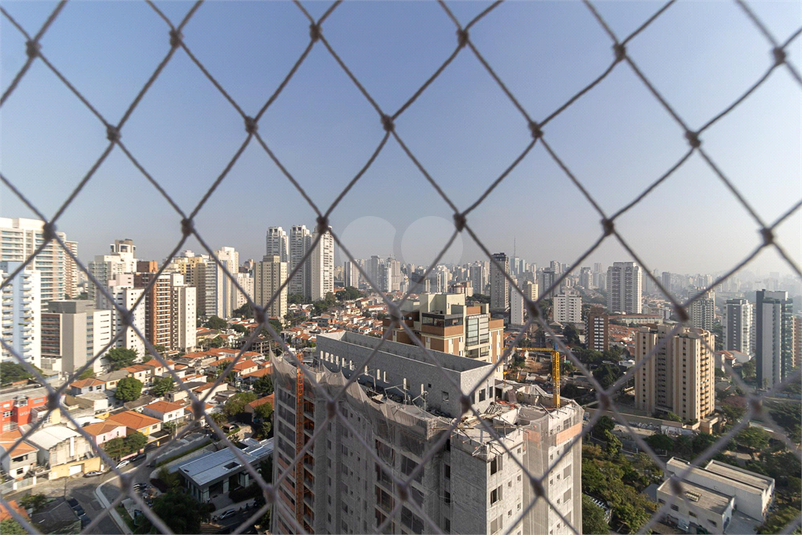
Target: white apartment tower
x=517 y=308
x=19 y=238
x=499 y=285
x=774 y=337
x=478 y=279
x=350 y=274
x=738 y=319
x=400 y=405
x=624 y=288
x=74 y=333
x=278 y=244
x=185 y=307
x=125 y=294
x=568 y=308
x=300 y=242
x=226 y=298
x=21 y=313
x=268 y=276
x=121 y=259
x=322 y=267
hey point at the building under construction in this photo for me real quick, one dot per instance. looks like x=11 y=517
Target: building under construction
x=399 y=408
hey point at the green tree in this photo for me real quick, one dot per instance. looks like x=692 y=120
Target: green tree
x=660 y=442
x=348 y=293
x=570 y=334
x=701 y=442
x=128 y=389
x=171 y=480
x=593 y=517
x=683 y=446
x=614 y=445
x=213 y=342
x=219 y=418
x=263 y=386
x=753 y=438
x=33 y=501
x=236 y=403
x=777 y=520
x=11 y=372
x=216 y=323
x=135 y=441
x=12 y=527
x=87 y=374
x=170 y=427
x=162 y=385
x=607 y=375
x=604 y=424
x=181 y=512
x=263 y=411
x=296 y=299
x=672 y=417
x=239 y=328
x=115 y=448
x=244 y=312
x=120 y=357
x=748 y=370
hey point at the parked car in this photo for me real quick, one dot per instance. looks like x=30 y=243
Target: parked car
x=85 y=520
x=93 y=473
x=226 y=514
x=72 y=502
x=79 y=510
x=122 y=463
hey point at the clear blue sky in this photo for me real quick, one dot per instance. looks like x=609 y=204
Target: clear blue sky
x=616 y=139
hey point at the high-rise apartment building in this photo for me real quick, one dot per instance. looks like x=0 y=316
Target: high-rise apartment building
x=546 y=279
x=517 y=308
x=499 y=285
x=300 y=242
x=245 y=281
x=738 y=321
x=19 y=239
x=104 y=268
x=268 y=276
x=350 y=274
x=21 y=313
x=185 y=309
x=227 y=292
x=585 y=278
x=796 y=359
x=72 y=275
x=568 y=307
x=73 y=333
x=478 y=277
x=531 y=290
x=703 y=311
x=624 y=288
x=125 y=294
x=322 y=267
x=278 y=244
x=774 y=337
x=400 y=405
x=597 y=329
x=158 y=306
x=680 y=376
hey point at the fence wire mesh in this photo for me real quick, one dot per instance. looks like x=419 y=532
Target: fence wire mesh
x=777 y=50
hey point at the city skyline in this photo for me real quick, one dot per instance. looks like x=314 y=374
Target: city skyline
x=616 y=139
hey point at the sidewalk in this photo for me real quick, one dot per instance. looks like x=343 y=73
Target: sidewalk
x=112 y=512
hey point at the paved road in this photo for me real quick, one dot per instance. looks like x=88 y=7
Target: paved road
x=85 y=494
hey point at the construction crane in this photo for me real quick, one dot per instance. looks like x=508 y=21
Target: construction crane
x=555 y=370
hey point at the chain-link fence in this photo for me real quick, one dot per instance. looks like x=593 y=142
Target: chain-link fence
x=776 y=49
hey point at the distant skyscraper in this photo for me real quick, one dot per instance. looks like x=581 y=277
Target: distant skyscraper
x=245 y=280
x=21 y=313
x=300 y=242
x=499 y=285
x=624 y=288
x=185 y=309
x=703 y=311
x=322 y=267
x=530 y=290
x=546 y=280
x=666 y=282
x=774 y=340
x=738 y=321
x=158 y=306
x=797 y=354
x=350 y=274
x=478 y=279
x=269 y=275
x=19 y=239
x=122 y=290
x=517 y=308
x=585 y=278
x=277 y=244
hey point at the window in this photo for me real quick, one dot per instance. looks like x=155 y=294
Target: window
x=447 y=498
x=445 y=396
x=567 y=496
x=447 y=524
x=495 y=495
x=482 y=395
x=691 y=513
x=495 y=464
x=447 y=471
x=567 y=471
x=674 y=508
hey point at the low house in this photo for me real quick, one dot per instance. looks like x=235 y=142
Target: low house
x=97 y=402
x=250 y=408
x=140 y=372
x=205 y=389
x=135 y=421
x=255 y=375
x=105 y=431
x=85 y=386
x=165 y=411
x=112 y=378
x=244 y=367
x=63 y=451
x=56 y=517
x=21 y=456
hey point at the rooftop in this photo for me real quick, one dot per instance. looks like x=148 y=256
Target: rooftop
x=214 y=466
x=725 y=473
x=164 y=406
x=50 y=436
x=102 y=428
x=133 y=419
x=83 y=383
x=10 y=438
x=699 y=496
